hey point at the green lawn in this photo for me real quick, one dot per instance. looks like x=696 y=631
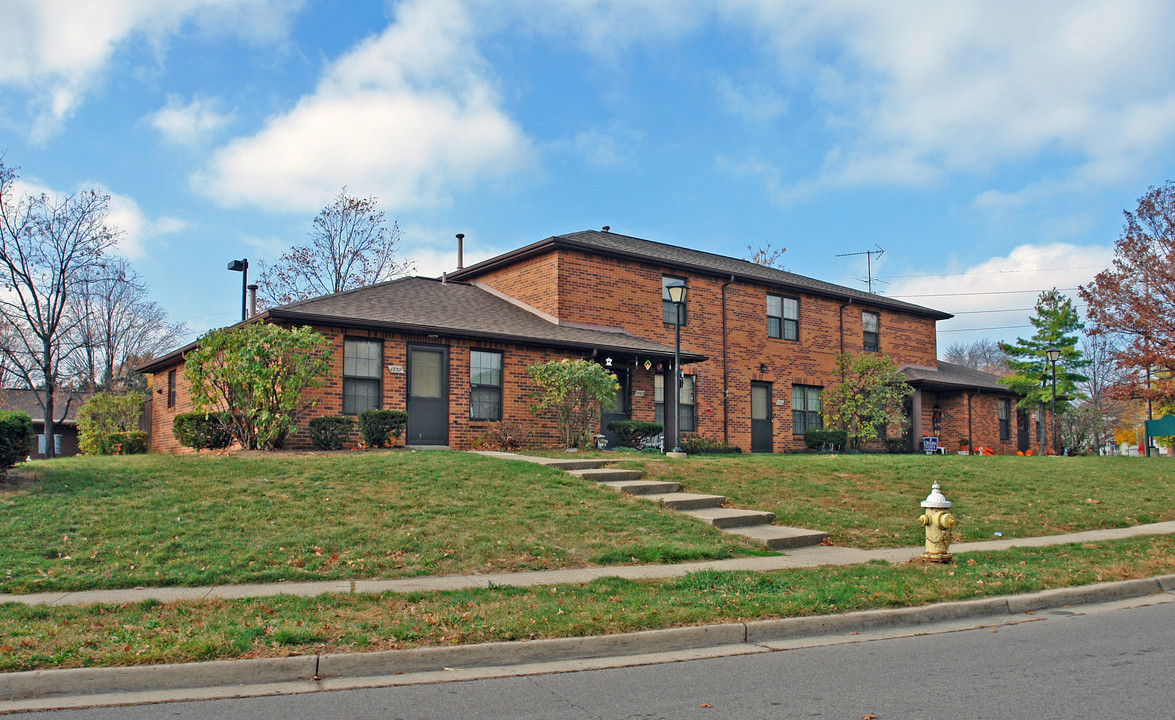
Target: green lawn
x=116 y=522
x=39 y=637
x=873 y=500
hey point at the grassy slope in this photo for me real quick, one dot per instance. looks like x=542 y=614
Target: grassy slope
x=873 y=500
x=162 y=520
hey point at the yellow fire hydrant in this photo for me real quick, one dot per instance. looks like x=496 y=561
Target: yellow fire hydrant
x=938 y=523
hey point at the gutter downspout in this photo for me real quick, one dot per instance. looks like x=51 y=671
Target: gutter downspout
x=969 y=433
x=725 y=370
x=841 y=312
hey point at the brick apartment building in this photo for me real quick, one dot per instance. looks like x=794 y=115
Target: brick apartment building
x=758 y=347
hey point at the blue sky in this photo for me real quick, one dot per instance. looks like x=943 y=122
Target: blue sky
x=989 y=147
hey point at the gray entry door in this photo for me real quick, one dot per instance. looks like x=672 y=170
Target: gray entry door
x=428 y=396
x=619 y=409
x=761 y=430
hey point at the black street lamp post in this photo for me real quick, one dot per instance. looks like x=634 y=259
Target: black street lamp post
x=1054 y=354
x=677 y=297
x=242 y=266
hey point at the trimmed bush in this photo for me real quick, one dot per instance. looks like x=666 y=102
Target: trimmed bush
x=16 y=438
x=330 y=432
x=695 y=445
x=897 y=446
x=132 y=442
x=203 y=430
x=631 y=433
x=380 y=428
x=504 y=435
x=827 y=438
x=105 y=414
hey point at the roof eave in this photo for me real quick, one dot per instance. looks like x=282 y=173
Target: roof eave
x=562 y=241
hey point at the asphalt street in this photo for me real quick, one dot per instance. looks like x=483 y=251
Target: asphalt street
x=1105 y=661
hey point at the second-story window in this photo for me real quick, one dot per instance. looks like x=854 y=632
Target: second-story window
x=783 y=317
x=871 y=324
x=668 y=308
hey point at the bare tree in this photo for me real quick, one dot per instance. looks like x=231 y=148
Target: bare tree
x=46 y=246
x=767 y=256
x=983 y=354
x=1104 y=381
x=116 y=327
x=350 y=246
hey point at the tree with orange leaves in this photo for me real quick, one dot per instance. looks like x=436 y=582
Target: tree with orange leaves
x=1133 y=302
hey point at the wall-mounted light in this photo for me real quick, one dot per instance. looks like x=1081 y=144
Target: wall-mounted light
x=763 y=367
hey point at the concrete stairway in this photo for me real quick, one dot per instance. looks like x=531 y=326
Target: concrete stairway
x=754 y=524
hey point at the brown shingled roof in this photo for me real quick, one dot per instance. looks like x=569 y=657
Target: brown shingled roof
x=951 y=375
x=423 y=305
x=26 y=401
x=610 y=243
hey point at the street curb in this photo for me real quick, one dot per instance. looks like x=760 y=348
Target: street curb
x=93 y=682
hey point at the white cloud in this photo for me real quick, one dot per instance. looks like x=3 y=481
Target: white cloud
x=54 y=51
x=914 y=91
x=135 y=226
x=409 y=115
x=188 y=124
x=124 y=216
x=1000 y=293
x=755 y=102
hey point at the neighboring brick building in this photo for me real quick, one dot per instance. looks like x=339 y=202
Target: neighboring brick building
x=65 y=407
x=758 y=345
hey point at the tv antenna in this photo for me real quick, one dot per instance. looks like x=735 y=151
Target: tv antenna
x=868 y=262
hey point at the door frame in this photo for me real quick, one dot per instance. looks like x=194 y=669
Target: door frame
x=444 y=351
x=770 y=419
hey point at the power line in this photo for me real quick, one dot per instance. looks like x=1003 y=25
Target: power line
x=976 y=312
x=992 y=272
x=992 y=292
x=1001 y=327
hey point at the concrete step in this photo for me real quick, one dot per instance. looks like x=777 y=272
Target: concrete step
x=607 y=474
x=780 y=537
x=644 y=487
x=724 y=518
x=570 y=464
x=686 y=501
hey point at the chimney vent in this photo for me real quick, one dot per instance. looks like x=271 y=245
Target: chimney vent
x=607 y=228
x=252 y=299
x=460 y=250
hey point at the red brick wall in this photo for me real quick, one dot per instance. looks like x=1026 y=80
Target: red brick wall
x=534 y=281
x=463 y=431
x=617 y=292
x=985 y=426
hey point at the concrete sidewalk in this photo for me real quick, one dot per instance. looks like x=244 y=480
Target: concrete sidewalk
x=798 y=558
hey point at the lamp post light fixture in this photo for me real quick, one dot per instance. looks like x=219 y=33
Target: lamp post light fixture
x=242 y=266
x=1054 y=354
x=677 y=297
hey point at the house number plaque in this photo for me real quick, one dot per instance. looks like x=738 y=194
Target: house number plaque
x=396 y=369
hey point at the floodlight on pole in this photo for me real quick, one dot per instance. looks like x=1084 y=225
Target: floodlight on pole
x=242 y=266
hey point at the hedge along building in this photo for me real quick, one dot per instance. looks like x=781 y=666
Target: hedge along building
x=759 y=345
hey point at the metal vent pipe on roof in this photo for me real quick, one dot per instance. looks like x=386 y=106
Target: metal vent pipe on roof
x=252 y=299
x=460 y=250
